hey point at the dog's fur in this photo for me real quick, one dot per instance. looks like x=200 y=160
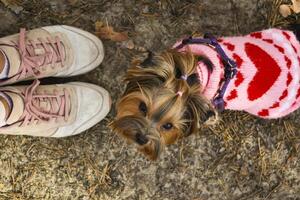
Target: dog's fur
x=159 y=107
x=151 y=113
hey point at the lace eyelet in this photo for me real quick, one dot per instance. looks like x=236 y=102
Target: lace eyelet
x=37 y=104
x=51 y=47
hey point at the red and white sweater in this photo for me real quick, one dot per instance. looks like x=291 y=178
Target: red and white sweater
x=267 y=83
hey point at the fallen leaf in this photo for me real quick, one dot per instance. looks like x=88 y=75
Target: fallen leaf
x=244 y=171
x=12 y=2
x=72 y=2
x=296 y=6
x=98 y=25
x=128 y=44
x=13 y=5
x=108 y=32
x=285 y=10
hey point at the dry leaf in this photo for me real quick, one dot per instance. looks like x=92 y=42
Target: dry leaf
x=285 y=10
x=98 y=25
x=72 y=2
x=296 y=6
x=12 y=2
x=244 y=171
x=108 y=32
x=128 y=44
x=14 y=5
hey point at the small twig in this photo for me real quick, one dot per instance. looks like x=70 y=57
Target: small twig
x=273 y=190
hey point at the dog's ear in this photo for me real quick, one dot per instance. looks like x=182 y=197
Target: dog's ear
x=207 y=62
x=193 y=79
x=199 y=112
x=148 y=62
x=191 y=124
x=192 y=115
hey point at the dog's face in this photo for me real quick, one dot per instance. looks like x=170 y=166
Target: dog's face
x=158 y=106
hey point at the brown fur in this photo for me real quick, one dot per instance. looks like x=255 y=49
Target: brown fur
x=152 y=85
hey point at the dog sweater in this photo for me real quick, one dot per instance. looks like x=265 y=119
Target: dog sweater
x=267 y=82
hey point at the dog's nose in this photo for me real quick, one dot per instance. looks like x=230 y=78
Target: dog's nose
x=141 y=139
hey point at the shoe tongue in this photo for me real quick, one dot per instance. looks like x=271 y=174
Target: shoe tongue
x=39 y=49
x=46 y=106
x=13 y=54
x=17 y=108
x=14 y=60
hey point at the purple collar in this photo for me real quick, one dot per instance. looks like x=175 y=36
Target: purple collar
x=230 y=67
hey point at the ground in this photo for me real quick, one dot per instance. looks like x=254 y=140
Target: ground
x=242 y=158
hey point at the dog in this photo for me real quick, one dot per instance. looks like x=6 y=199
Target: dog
x=173 y=94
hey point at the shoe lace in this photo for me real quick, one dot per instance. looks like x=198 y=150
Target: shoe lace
x=44 y=106
x=37 y=53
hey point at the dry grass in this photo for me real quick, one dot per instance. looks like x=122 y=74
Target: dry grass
x=242 y=158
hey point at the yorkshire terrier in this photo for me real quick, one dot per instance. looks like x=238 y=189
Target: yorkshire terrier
x=175 y=93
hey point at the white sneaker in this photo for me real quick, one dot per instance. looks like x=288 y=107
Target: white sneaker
x=58 y=51
x=55 y=110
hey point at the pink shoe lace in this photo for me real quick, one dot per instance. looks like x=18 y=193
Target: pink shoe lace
x=38 y=53
x=34 y=112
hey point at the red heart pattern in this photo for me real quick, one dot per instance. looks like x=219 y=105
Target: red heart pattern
x=270 y=56
x=267 y=73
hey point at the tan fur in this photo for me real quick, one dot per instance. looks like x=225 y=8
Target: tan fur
x=155 y=84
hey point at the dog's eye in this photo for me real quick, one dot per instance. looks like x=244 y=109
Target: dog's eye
x=143 y=108
x=167 y=126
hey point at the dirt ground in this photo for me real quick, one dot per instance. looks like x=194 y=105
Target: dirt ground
x=243 y=158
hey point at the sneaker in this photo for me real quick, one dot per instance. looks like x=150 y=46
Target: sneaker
x=57 y=51
x=55 y=110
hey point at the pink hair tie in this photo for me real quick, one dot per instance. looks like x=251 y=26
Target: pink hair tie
x=184 y=77
x=180 y=93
